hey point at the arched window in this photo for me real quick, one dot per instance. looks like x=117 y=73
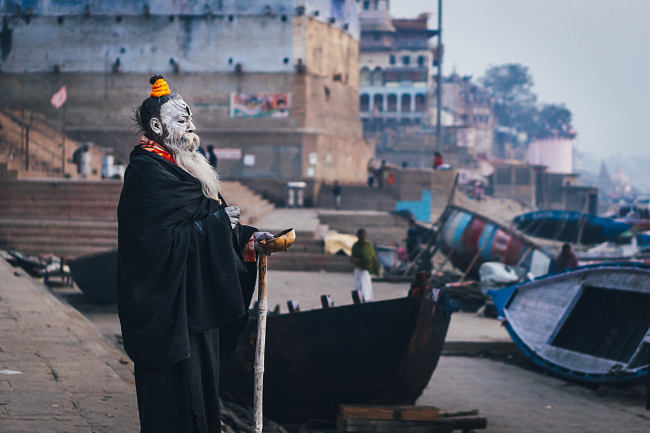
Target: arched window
x=392 y=103
x=421 y=61
x=364 y=102
x=420 y=103
x=378 y=102
x=406 y=103
x=364 y=76
x=376 y=78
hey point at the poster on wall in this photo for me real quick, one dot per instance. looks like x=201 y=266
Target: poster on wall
x=276 y=105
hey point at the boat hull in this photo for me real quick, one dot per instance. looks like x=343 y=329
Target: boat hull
x=470 y=239
x=381 y=352
x=569 y=226
x=96 y=276
x=590 y=324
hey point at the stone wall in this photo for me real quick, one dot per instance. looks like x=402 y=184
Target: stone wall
x=307 y=49
x=420 y=185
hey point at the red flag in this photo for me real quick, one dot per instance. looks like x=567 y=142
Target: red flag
x=59 y=98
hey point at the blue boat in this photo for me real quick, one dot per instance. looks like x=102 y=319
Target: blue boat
x=589 y=324
x=570 y=226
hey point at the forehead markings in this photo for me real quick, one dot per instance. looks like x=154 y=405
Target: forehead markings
x=175 y=108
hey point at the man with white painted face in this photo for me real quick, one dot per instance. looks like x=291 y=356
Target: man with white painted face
x=186 y=270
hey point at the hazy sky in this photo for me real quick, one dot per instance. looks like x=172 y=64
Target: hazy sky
x=592 y=55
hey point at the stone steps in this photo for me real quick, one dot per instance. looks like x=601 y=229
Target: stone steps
x=72 y=218
x=383 y=228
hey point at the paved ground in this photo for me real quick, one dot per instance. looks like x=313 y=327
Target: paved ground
x=518 y=400
x=69 y=375
x=68 y=386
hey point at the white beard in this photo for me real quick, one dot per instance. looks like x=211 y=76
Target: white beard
x=183 y=149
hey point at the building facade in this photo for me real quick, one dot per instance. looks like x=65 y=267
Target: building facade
x=273 y=84
x=471 y=108
x=397 y=63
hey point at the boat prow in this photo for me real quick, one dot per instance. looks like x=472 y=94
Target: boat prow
x=378 y=352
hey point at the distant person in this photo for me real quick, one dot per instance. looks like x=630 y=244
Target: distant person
x=365 y=263
x=402 y=254
x=201 y=150
x=86 y=162
x=212 y=156
x=371 y=173
x=76 y=158
x=477 y=190
x=336 y=192
x=379 y=174
x=566 y=259
x=420 y=284
x=437 y=160
x=412 y=240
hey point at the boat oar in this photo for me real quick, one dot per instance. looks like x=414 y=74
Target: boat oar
x=281 y=242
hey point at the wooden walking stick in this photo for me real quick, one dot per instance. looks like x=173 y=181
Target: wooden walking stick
x=281 y=242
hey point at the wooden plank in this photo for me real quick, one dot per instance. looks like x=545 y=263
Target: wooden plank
x=391 y=426
x=419 y=413
x=403 y=412
x=360 y=411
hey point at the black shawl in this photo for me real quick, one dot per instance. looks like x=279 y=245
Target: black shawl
x=180 y=264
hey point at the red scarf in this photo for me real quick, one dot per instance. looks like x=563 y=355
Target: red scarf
x=152 y=146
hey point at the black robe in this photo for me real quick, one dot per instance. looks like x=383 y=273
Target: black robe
x=181 y=271
x=180 y=265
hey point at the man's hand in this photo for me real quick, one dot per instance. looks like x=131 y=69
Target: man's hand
x=233 y=213
x=261 y=236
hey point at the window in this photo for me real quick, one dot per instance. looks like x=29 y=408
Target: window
x=522 y=176
x=420 y=103
x=376 y=79
x=366 y=5
x=406 y=60
x=364 y=76
x=364 y=102
x=421 y=61
x=378 y=102
x=406 y=103
x=391 y=59
x=503 y=176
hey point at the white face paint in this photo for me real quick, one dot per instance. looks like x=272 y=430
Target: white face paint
x=180 y=138
x=176 y=115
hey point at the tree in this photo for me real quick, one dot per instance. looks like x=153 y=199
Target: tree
x=554 y=120
x=516 y=104
x=511 y=85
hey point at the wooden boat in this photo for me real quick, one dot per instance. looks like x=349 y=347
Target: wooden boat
x=569 y=226
x=590 y=324
x=379 y=352
x=469 y=240
x=96 y=276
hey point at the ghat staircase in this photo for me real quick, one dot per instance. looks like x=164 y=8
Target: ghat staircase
x=71 y=218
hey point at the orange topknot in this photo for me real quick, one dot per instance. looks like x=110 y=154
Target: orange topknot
x=159 y=88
